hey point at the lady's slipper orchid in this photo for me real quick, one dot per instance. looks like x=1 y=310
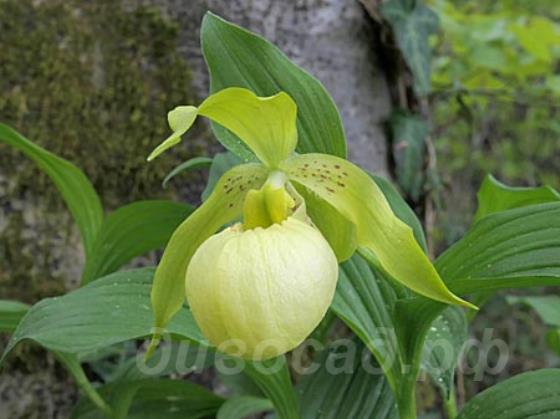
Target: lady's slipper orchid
x=267 y=283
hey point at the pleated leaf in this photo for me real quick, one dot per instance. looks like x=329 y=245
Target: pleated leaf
x=533 y=394
x=509 y=249
x=343 y=387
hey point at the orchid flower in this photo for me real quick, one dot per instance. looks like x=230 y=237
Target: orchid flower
x=258 y=288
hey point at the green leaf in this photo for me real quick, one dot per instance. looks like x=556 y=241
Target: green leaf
x=509 y=249
x=538 y=37
x=352 y=392
x=488 y=57
x=494 y=196
x=273 y=378
x=240 y=384
x=131 y=231
x=364 y=300
x=191 y=164
x=358 y=198
x=442 y=347
x=75 y=188
x=182 y=357
x=413 y=27
x=11 y=312
x=153 y=399
x=107 y=311
x=553 y=340
x=237 y=57
x=547 y=306
x=409 y=133
x=243 y=406
x=73 y=366
x=223 y=206
x=533 y=394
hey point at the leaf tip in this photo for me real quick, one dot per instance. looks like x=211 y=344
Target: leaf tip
x=465 y=303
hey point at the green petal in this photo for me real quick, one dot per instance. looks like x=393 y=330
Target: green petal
x=266 y=124
x=222 y=206
x=356 y=196
x=180 y=120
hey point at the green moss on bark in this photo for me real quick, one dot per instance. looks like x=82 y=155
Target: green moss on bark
x=91 y=81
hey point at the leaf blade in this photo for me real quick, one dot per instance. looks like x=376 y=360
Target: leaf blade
x=537 y=394
x=76 y=190
x=276 y=385
x=191 y=164
x=11 y=312
x=242 y=406
x=495 y=196
x=354 y=393
x=122 y=296
x=130 y=231
x=413 y=27
x=237 y=57
x=154 y=399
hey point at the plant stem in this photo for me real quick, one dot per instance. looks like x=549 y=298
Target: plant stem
x=406 y=399
x=450 y=404
x=75 y=369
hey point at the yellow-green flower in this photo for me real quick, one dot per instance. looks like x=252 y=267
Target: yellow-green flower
x=266 y=283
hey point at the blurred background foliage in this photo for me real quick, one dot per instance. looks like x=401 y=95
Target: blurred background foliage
x=495 y=101
x=494 y=108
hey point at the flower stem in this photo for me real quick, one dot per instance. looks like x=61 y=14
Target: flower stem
x=406 y=398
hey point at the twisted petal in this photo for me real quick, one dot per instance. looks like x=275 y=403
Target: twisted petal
x=267 y=125
x=356 y=196
x=223 y=206
x=180 y=120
